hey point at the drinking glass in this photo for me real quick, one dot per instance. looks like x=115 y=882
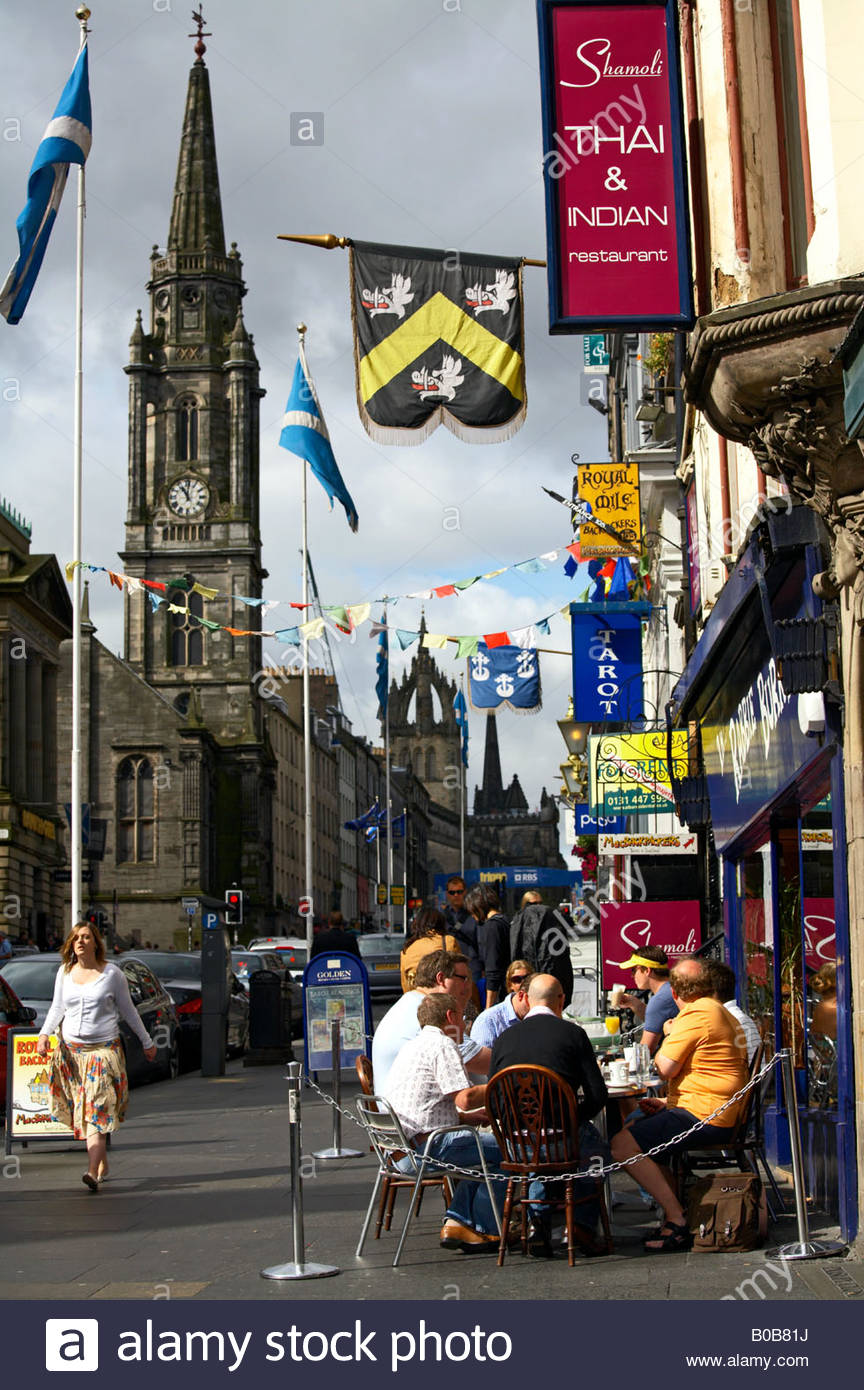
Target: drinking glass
x=613 y=1024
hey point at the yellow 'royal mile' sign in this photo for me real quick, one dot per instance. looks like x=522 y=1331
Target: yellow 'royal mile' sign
x=612 y=491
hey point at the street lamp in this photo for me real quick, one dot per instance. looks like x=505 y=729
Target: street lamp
x=574 y=733
x=573 y=777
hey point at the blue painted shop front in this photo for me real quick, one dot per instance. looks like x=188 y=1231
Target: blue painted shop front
x=773 y=766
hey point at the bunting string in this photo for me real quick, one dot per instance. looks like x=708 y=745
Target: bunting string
x=614 y=579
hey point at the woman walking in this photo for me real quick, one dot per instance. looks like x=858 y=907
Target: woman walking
x=87 y=1074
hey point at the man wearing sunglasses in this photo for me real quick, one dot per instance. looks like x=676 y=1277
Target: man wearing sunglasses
x=492 y=1022
x=462 y=925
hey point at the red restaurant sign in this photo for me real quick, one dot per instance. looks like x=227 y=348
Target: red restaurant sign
x=625 y=927
x=616 y=191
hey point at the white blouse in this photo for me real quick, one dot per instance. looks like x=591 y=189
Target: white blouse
x=91 y=1013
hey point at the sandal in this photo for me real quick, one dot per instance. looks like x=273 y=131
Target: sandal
x=91 y=1182
x=668 y=1239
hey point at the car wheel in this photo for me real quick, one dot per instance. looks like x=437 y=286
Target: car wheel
x=172 y=1068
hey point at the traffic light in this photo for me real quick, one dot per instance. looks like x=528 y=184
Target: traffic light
x=97 y=919
x=234 y=907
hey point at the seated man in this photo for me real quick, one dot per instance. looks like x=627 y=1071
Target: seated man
x=545 y=1039
x=704 y=1066
x=427 y=1088
x=439 y=972
x=723 y=978
x=650 y=966
x=492 y=1022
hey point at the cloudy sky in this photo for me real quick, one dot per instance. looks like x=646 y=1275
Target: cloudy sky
x=431 y=136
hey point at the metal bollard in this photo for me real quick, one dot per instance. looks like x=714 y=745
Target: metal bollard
x=804 y=1248
x=337 y=1150
x=297 y=1268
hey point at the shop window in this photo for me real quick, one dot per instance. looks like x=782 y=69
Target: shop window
x=135 y=812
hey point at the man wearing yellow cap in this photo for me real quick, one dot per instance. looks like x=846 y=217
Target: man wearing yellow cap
x=650 y=966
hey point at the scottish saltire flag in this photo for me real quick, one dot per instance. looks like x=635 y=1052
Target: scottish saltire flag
x=66 y=141
x=382 y=664
x=461 y=711
x=504 y=677
x=305 y=434
x=370 y=817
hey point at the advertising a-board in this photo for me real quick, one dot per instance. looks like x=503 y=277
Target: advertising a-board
x=28 y=1109
x=335 y=990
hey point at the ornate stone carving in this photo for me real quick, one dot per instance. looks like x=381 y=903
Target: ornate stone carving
x=803 y=441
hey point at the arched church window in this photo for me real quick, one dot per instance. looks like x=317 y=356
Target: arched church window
x=431 y=765
x=187 y=430
x=186 y=635
x=136 y=812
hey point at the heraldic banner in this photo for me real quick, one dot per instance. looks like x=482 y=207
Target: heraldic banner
x=438 y=339
x=504 y=678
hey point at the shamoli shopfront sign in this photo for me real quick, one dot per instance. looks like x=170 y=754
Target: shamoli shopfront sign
x=616 y=190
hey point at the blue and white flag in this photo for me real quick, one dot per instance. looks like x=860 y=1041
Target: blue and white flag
x=504 y=677
x=382 y=665
x=461 y=711
x=370 y=817
x=305 y=434
x=66 y=141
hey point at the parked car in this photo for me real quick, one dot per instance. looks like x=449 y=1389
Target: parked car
x=290 y=949
x=249 y=963
x=380 y=952
x=180 y=973
x=32 y=978
x=13 y=1014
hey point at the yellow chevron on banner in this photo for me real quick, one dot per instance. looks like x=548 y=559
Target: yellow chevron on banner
x=440 y=318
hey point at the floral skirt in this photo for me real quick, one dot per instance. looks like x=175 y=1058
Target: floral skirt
x=89 y=1090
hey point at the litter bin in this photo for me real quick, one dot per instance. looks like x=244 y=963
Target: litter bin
x=266 y=1026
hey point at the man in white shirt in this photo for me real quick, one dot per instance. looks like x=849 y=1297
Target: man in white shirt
x=723 y=980
x=428 y=1087
x=439 y=972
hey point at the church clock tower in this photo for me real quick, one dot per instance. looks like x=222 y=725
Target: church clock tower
x=193 y=452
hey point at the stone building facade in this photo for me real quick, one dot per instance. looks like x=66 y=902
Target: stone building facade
x=35 y=617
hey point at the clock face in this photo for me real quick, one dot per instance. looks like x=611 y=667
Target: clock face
x=188 y=496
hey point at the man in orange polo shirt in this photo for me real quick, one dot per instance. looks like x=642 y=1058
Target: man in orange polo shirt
x=703 y=1065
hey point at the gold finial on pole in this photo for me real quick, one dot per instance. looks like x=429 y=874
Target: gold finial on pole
x=327 y=241
x=82 y=14
x=301 y=329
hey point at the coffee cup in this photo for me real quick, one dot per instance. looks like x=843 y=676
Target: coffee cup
x=619 y=1073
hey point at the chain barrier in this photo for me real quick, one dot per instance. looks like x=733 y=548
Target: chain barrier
x=477 y=1176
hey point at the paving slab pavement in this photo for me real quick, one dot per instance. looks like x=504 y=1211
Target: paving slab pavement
x=198 y=1203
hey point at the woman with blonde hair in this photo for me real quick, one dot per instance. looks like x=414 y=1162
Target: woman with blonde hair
x=518 y=971
x=87 y=1072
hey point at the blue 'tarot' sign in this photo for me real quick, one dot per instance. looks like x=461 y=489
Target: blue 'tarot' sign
x=585 y=822
x=335 y=988
x=607 y=667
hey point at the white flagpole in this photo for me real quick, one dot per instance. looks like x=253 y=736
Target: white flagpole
x=82 y=14
x=462 y=772
x=405 y=874
x=307 y=715
x=389 y=816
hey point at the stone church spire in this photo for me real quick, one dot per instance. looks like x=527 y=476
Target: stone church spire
x=196 y=214
x=489 y=798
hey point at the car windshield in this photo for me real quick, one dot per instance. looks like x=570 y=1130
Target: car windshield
x=376 y=945
x=32 y=979
x=168 y=966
